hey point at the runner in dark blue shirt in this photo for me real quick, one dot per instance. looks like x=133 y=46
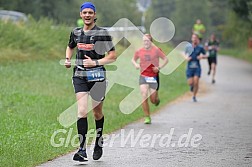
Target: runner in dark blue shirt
x=194 y=52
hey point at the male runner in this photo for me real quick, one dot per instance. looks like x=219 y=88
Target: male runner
x=193 y=71
x=199 y=29
x=89 y=77
x=212 y=46
x=149 y=79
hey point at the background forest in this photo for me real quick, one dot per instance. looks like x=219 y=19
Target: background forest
x=231 y=20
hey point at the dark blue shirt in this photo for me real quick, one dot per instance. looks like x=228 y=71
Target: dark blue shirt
x=194 y=53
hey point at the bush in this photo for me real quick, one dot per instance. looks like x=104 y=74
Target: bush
x=237 y=32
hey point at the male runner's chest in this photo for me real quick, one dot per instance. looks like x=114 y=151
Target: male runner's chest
x=149 y=56
x=85 y=42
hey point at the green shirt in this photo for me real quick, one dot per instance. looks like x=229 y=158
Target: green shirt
x=212 y=48
x=199 y=29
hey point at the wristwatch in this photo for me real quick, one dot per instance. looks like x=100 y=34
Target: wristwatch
x=96 y=62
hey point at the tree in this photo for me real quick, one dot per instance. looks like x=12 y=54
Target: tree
x=185 y=15
x=239 y=24
x=63 y=11
x=160 y=8
x=243 y=9
x=110 y=11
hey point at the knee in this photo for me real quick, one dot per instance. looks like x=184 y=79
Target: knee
x=144 y=95
x=82 y=112
x=191 y=83
x=97 y=113
x=153 y=99
x=196 y=83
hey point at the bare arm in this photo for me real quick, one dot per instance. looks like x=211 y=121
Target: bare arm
x=133 y=60
x=165 y=61
x=69 y=53
x=186 y=56
x=202 y=56
x=110 y=58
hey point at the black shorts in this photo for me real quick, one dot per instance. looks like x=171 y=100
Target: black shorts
x=155 y=86
x=212 y=60
x=96 y=90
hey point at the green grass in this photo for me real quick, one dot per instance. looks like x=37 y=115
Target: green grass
x=35 y=89
x=243 y=54
x=35 y=40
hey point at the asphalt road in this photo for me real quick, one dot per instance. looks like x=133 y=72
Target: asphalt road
x=215 y=131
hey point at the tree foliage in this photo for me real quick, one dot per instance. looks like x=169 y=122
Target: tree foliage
x=243 y=9
x=185 y=15
x=238 y=27
x=221 y=17
x=60 y=11
x=67 y=11
x=110 y=11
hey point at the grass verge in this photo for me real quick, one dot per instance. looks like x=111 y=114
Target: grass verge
x=243 y=54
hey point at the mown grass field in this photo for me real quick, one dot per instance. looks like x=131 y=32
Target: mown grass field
x=35 y=89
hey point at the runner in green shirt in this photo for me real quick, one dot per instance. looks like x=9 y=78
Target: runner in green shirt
x=212 y=46
x=199 y=29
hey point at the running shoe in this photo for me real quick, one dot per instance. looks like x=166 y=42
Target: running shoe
x=213 y=81
x=194 y=99
x=81 y=155
x=147 y=120
x=97 y=152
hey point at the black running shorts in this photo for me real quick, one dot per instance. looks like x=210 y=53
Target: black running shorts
x=155 y=86
x=96 y=90
x=212 y=60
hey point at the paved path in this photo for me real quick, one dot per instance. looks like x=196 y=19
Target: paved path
x=222 y=117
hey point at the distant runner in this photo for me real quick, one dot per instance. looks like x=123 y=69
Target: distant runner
x=212 y=46
x=193 y=71
x=199 y=29
x=149 y=78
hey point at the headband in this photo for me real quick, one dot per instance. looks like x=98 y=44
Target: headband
x=87 y=5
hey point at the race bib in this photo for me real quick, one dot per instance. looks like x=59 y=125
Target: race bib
x=95 y=74
x=193 y=64
x=150 y=79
